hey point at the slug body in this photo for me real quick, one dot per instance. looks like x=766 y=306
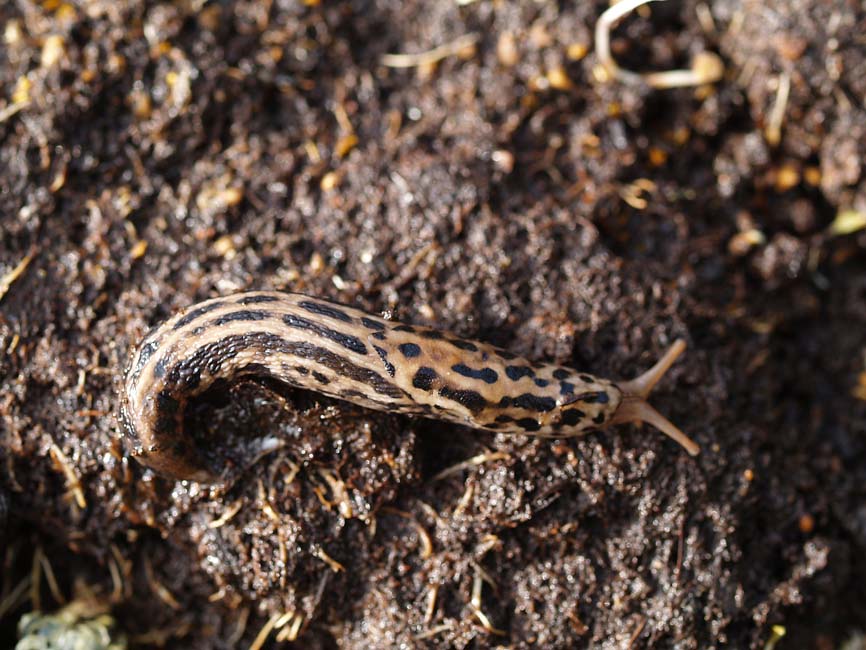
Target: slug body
x=361 y=358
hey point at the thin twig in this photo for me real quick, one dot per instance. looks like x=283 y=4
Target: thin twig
x=431 y=56
x=773 y=132
x=706 y=66
x=11 y=109
x=7 y=280
x=480 y=459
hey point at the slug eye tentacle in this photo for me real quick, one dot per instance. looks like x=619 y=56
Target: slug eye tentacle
x=635 y=408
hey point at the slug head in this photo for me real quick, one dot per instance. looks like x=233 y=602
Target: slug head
x=635 y=408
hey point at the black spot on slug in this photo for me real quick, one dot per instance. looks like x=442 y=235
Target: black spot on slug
x=541 y=383
x=464 y=345
x=348 y=341
x=469 y=398
x=532 y=402
x=195 y=313
x=319 y=377
x=424 y=378
x=379 y=336
x=409 y=350
x=504 y=418
x=253 y=300
x=404 y=328
x=384 y=357
x=599 y=419
x=572 y=417
x=565 y=388
x=325 y=310
x=434 y=335
x=372 y=324
x=528 y=424
x=515 y=373
x=242 y=315
x=487 y=375
x=561 y=373
x=505 y=354
x=302 y=370
x=587 y=379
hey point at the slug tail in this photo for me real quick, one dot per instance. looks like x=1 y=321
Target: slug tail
x=635 y=408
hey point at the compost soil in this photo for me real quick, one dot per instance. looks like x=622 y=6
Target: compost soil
x=503 y=187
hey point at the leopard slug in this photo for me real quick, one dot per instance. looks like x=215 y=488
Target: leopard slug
x=358 y=357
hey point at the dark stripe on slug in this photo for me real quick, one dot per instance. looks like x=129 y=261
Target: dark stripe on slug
x=319 y=377
x=505 y=354
x=409 y=350
x=532 y=402
x=515 y=373
x=252 y=300
x=469 y=398
x=195 y=313
x=504 y=418
x=433 y=335
x=404 y=328
x=216 y=355
x=167 y=410
x=561 y=373
x=384 y=357
x=242 y=315
x=487 y=375
x=325 y=310
x=159 y=367
x=372 y=324
x=528 y=424
x=469 y=346
x=596 y=397
x=424 y=378
x=588 y=379
x=348 y=341
x=143 y=357
x=341 y=366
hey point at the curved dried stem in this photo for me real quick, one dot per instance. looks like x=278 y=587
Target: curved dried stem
x=706 y=66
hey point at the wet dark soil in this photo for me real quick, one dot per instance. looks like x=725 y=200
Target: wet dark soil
x=155 y=154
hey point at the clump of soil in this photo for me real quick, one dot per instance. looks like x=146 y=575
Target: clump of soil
x=154 y=154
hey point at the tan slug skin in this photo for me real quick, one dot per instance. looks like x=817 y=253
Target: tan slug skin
x=358 y=357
